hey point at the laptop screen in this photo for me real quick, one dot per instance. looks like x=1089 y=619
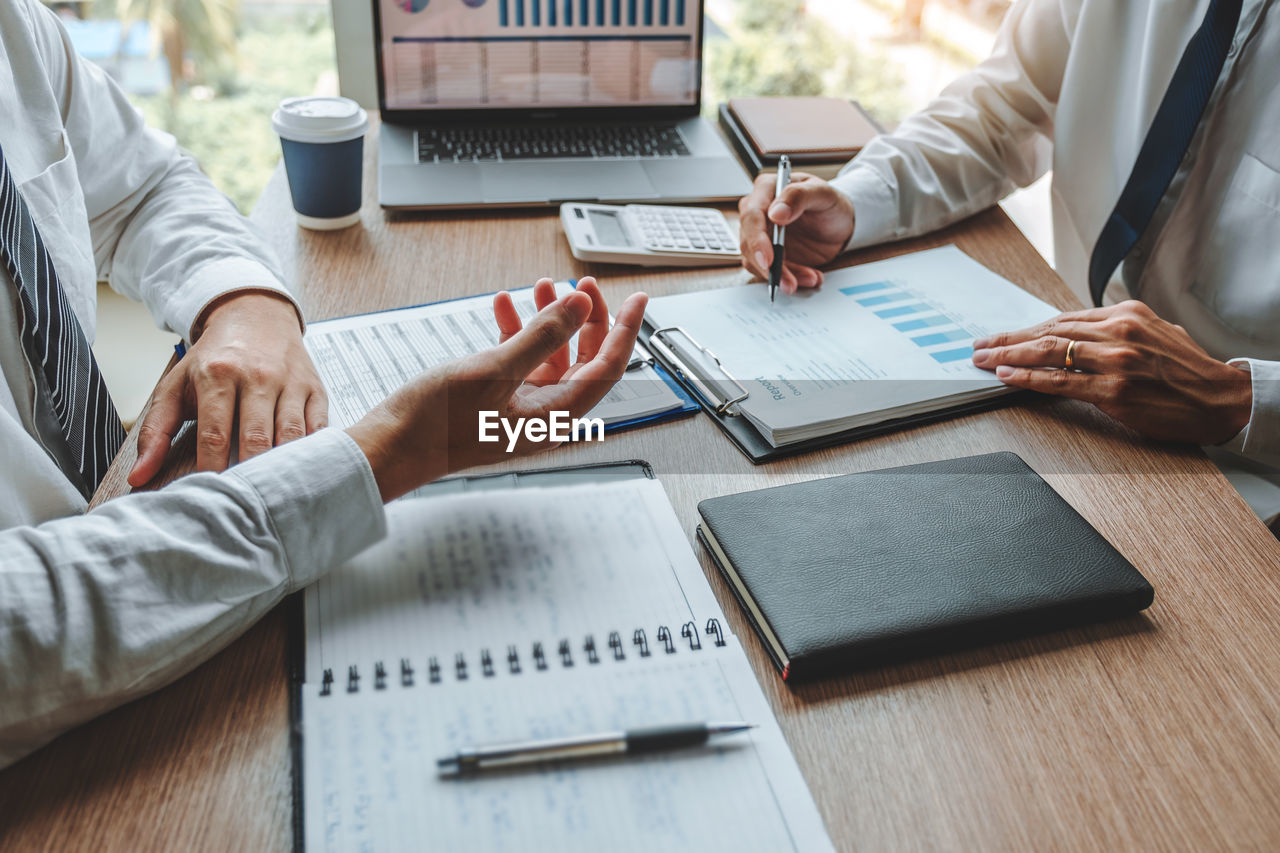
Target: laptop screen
x=538 y=54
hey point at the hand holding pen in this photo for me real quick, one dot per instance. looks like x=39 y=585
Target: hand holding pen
x=818 y=220
x=779 y=230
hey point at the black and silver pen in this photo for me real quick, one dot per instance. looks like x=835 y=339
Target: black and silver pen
x=779 y=231
x=639 y=358
x=630 y=742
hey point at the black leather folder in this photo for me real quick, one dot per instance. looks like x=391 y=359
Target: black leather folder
x=871 y=568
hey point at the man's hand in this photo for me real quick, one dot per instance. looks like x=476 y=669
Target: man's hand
x=819 y=220
x=248 y=375
x=430 y=427
x=1141 y=370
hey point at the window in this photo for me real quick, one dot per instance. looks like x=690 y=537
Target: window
x=893 y=56
x=211 y=72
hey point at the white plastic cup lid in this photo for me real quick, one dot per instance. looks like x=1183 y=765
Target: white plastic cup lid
x=319 y=119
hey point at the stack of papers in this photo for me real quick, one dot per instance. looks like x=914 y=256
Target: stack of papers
x=363 y=359
x=875 y=343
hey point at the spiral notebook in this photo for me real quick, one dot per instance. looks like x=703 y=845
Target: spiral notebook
x=503 y=609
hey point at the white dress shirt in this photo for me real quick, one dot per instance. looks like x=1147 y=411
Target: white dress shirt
x=100 y=608
x=1072 y=86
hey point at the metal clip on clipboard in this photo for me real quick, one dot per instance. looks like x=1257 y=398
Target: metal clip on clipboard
x=725 y=406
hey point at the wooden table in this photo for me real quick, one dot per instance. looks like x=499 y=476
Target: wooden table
x=1155 y=732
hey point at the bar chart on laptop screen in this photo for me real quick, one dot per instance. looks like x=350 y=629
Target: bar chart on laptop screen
x=459 y=54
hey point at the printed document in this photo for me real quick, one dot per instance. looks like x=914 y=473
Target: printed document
x=873 y=343
x=363 y=359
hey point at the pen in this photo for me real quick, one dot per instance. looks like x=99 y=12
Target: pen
x=630 y=742
x=639 y=358
x=779 y=231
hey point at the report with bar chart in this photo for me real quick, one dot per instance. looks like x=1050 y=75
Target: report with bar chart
x=939 y=334
x=460 y=54
x=876 y=342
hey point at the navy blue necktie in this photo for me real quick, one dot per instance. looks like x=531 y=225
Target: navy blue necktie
x=55 y=344
x=1166 y=142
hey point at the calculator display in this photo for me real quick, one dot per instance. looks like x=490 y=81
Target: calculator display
x=608 y=229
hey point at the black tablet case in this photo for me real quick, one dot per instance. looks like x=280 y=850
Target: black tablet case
x=881 y=566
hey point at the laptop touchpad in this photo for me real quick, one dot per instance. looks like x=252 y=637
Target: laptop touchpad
x=560 y=181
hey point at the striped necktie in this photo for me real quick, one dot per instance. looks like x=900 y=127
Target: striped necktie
x=55 y=345
x=1167 y=141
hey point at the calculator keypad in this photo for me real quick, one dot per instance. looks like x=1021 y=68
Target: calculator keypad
x=683 y=230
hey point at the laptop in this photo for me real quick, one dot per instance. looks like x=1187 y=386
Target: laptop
x=537 y=102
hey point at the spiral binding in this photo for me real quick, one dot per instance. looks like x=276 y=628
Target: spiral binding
x=563 y=657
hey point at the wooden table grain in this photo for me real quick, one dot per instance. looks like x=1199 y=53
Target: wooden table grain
x=1156 y=732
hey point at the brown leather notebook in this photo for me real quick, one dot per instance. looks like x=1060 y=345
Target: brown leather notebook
x=822 y=128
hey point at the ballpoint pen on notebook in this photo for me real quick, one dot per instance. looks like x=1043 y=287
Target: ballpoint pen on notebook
x=630 y=742
x=779 y=231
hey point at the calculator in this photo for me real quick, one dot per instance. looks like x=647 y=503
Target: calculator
x=650 y=235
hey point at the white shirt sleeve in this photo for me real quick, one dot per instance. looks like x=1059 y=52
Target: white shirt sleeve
x=162 y=233
x=1260 y=438
x=988 y=132
x=99 y=609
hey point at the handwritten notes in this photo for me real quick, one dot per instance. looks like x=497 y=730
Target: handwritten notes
x=510 y=568
x=487 y=617
x=371 y=767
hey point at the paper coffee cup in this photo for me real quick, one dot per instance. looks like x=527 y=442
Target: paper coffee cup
x=323 y=143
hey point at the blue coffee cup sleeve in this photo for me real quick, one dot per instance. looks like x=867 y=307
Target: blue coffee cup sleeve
x=324 y=178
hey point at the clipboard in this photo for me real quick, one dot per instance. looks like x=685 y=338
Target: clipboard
x=674 y=348
x=688 y=405
x=607 y=472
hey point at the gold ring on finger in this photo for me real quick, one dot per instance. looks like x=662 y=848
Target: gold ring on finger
x=1070 y=361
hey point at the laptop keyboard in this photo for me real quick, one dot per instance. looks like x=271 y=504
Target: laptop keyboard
x=495 y=144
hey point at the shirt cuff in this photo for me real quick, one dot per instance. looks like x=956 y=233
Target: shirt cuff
x=875 y=205
x=1260 y=438
x=322 y=500
x=215 y=280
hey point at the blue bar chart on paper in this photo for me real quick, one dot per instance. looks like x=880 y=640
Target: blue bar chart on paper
x=874 y=342
x=933 y=330
x=460 y=54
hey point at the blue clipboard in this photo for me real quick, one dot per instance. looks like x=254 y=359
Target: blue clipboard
x=688 y=404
